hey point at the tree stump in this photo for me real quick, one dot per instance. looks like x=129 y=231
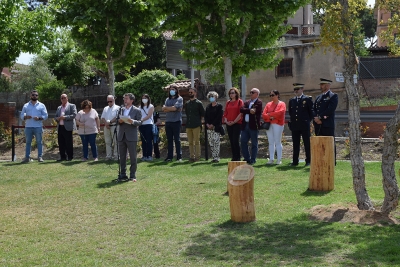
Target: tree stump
x=241 y=194
x=322 y=170
x=232 y=165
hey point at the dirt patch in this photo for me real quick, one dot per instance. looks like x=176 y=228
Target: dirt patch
x=350 y=213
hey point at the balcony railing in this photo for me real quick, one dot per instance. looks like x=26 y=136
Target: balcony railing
x=305 y=30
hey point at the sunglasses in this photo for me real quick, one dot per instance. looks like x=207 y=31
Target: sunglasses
x=63 y=98
x=253 y=92
x=271 y=95
x=34 y=95
x=296 y=89
x=109 y=101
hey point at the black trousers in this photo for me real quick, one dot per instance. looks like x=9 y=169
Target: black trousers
x=234 y=136
x=305 y=134
x=65 y=143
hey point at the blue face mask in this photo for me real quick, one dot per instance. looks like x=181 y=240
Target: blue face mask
x=172 y=92
x=212 y=99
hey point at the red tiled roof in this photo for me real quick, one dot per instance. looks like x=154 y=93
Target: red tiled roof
x=168 y=35
x=183 y=84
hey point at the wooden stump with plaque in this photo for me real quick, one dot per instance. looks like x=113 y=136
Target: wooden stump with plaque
x=322 y=169
x=241 y=194
x=232 y=165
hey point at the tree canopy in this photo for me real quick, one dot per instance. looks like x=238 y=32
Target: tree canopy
x=109 y=31
x=234 y=36
x=21 y=30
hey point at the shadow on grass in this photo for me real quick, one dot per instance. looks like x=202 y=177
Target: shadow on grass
x=309 y=193
x=298 y=242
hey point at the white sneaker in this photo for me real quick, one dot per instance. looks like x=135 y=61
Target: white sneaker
x=270 y=162
x=278 y=162
x=179 y=160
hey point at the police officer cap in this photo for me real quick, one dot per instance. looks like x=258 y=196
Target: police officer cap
x=325 y=80
x=298 y=85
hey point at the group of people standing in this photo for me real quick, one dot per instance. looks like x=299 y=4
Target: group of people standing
x=242 y=120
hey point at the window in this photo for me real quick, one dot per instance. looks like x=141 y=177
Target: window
x=284 y=68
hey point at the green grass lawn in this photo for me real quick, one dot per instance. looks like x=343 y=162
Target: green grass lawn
x=71 y=214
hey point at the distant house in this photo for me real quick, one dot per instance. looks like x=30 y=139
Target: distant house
x=6 y=73
x=382 y=16
x=302 y=62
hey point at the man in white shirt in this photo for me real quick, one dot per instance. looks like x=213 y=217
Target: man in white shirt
x=109 y=119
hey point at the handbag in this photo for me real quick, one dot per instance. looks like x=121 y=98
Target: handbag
x=265 y=125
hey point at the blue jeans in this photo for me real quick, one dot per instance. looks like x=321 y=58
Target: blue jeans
x=86 y=140
x=173 y=130
x=146 y=135
x=246 y=135
x=29 y=133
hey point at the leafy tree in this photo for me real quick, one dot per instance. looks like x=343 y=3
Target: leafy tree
x=155 y=55
x=228 y=34
x=368 y=23
x=147 y=82
x=340 y=22
x=392 y=34
x=67 y=62
x=5 y=84
x=21 y=30
x=38 y=76
x=109 y=31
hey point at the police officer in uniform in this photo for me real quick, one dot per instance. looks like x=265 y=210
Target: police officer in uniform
x=301 y=115
x=324 y=110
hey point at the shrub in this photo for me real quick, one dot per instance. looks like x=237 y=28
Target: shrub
x=147 y=82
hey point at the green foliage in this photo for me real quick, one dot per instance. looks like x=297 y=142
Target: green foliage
x=154 y=51
x=391 y=35
x=147 y=82
x=214 y=32
x=21 y=30
x=67 y=62
x=181 y=76
x=5 y=84
x=38 y=76
x=5 y=135
x=109 y=31
x=51 y=90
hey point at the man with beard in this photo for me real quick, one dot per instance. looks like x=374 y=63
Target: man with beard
x=194 y=114
x=33 y=113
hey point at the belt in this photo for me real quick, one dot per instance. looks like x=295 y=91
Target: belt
x=113 y=125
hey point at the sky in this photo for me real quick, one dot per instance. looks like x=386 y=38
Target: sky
x=25 y=58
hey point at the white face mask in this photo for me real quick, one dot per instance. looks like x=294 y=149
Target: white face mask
x=144 y=100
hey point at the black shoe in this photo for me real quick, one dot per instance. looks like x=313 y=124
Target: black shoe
x=293 y=164
x=69 y=159
x=61 y=159
x=307 y=164
x=167 y=160
x=122 y=177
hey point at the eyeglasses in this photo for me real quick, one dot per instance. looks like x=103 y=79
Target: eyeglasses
x=63 y=98
x=109 y=101
x=34 y=95
x=253 y=92
x=271 y=95
x=234 y=93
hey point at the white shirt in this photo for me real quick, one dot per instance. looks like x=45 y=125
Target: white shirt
x=109 y=113
x=145 y=112
x=247 y=116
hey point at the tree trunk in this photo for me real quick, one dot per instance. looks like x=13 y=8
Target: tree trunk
x=227 y=75
x=357 y=161
x=389 y=156
x=111 y=76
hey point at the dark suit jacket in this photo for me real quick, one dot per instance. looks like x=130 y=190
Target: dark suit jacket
x=70 y=114
x=325 y=105
x=301 y=113
x=254 y=119
x=130 y=130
